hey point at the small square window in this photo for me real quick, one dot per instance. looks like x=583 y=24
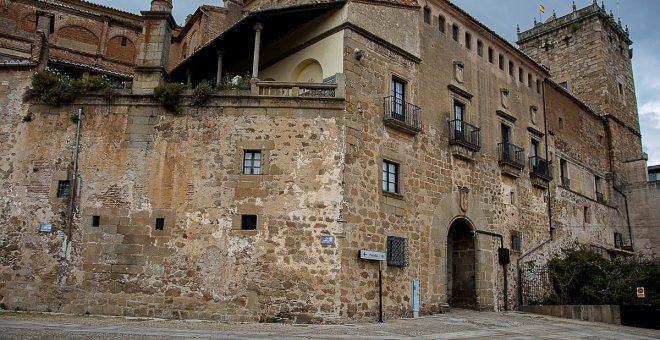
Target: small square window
x=390 y=177
x=96 y=221
x=397 y=251
x=160 y=223
x=248 y=222
x=63 y=189
x=252 y=162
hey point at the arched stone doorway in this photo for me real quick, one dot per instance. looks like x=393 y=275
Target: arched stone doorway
x=461 y=265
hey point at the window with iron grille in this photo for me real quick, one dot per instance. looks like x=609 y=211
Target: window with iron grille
x=390 y=177
x=248 y=222
x=516 y=241
x=252 y=162
x=160 y=223
x=63 y=188
x=397 y=251
x=618 y=240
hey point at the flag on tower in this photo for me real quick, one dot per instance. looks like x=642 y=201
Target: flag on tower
x=542 y=8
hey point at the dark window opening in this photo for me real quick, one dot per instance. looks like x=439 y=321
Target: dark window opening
x=480 y=48
x=561 y=123
x=454 y=32
x=427 y=15
x=618 y=240
x=398 y=99
x=248 y=222
x=468 y=40
x=511 y=67
x=529 y=80
x=620 y=89
x=160 y=223
x=538 y=86
x=252 y=162
x=501 y=62
x=521 y=75
x=63 y=189
x=390 y=177
x=491 y=55
x=397 y=251
x=441 y=23
x=96 y=221
x=516 y=241
x=563 y=173
x=124 y=41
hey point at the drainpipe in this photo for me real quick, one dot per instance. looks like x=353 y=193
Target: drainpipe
x=504 y=265
x=74 y=179
x=610 y=144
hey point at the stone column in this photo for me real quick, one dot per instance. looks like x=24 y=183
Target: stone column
x=257 y=42
x=218 y=74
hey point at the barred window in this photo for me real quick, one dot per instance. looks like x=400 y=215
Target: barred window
x=252 y=162
x=397 y=251
x=63 y=189
x=516 y=241
x=390 y=177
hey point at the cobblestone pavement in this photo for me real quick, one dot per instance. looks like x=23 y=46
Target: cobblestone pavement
x=458 y=324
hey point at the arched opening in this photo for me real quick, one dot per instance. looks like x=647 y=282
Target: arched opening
x=461 y=261
x=308 y=71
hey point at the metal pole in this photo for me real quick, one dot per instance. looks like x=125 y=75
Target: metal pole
x=74 y=180
x=380 y=292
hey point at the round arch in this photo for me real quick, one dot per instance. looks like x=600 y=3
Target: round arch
x=308 y=71
x=461 y=263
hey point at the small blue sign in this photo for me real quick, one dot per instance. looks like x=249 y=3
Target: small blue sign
x=415 y=297
x=45 y=228
x=327 y=240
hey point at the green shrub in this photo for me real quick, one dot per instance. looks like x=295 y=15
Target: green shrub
x=169 y=95
x=52 y=88
x=202 y=93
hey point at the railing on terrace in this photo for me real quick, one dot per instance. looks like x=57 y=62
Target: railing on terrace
x=464 y=134
x=511 y=154
x=289 y=89
x=540 y=167
x=402 y=113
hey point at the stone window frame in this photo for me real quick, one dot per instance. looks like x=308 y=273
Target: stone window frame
x=251 y=168
x=500 y=61
x=249 y=222
x=480 y=48
x=54 y=184
x=442 y=24
x=386 y=165
x=529 y=80
x=455 y=32
x=426 y=13
x=491 y=55
x=265 y=147
x=516 y=241
x=247 y=209
x=468 y=40
x=512 y=67
x=397 y=158
x=512 y=130
x=521 y=74
x=465 y=105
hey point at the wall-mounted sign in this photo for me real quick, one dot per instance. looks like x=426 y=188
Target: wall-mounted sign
x=327 y=240
x=45 y=228
x=640 y=293
x=372 y=255
x=415 y=298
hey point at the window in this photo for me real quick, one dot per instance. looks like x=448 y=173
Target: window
x=124 y=41
x=618 y=240
x=511 y=67
x=427 y=15
x=586 y=214
x=564 y=85
x=63 y=189
x=468 y=40
x=516 y=241
x=529 y=80
x=96 y=221
x=506 y=133
x=521 y=75
x=620 y=89
x=398 y=99
x=252 y=162
x=390 y=177
x=534 y=148
x=491 y=55
x=563 y=173
x=501 y=62
x=454 y=32
x=397 y=251
x=561 y=123
x=459 y=110
x=653 y=177
x=480 y=48
x=441 y=23
x=538 y=86
x=248 y=222
x=160 y=223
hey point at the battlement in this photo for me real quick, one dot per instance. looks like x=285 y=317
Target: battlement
x=554 y=23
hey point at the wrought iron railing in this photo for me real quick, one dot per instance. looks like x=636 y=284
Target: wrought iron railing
x=464 y=134
x=402 y=111
x=512 y=155
x=565 y=182
x=540 y=167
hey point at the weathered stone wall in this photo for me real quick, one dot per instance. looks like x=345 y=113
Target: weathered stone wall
x=138 y=164
x=645 y=217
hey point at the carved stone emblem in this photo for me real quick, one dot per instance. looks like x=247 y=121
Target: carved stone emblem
x=505 y=98
x=463 y=200
x=458 y=72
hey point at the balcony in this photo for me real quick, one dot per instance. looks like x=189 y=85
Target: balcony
x=464 y=134
x=565 y=182
x=402 y=115
x=511 y=155
x=289 y=89
x=540 y=168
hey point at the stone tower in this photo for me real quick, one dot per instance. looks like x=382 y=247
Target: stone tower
x=155 y=47
x=588 y=53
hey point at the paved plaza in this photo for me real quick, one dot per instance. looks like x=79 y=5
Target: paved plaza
x=458 y=324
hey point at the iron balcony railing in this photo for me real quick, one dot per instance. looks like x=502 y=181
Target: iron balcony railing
x=512 y=155
x=464 y=134
x=565 y=182
x=402 y=111
x=540 y=167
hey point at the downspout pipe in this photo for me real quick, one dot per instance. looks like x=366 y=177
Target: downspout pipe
x=74 y=179
x=504 y=265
